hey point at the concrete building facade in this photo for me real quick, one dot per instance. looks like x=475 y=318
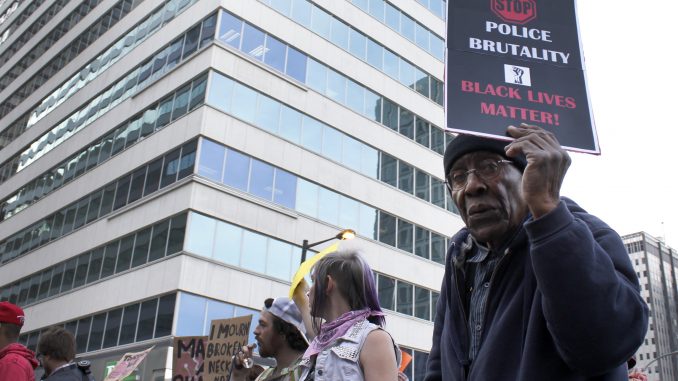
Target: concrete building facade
x=656 y=265
x=161 y=162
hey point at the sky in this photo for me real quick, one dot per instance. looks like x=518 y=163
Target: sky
x=632 y=83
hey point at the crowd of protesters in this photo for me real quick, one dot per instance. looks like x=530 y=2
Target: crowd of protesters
x=535 y=288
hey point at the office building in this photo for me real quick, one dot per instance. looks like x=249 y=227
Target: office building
x=161 y=161
x=656 y=265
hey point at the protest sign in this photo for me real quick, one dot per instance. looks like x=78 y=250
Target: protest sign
x=126 y=365
x=188 y=360
x=109 y=367
x=517 y=61
x=406 y=359
x=226 y=338
x=305 y=267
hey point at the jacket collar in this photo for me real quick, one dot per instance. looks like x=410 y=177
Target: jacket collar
x=462 y=244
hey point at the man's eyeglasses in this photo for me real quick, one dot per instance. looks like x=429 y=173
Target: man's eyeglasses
x=487 y=170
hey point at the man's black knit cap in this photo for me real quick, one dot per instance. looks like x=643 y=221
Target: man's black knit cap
x=464 y=144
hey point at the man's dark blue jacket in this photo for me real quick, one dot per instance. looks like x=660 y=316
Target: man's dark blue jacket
x=564 y=304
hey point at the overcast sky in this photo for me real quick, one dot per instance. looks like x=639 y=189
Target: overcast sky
x=633 y=81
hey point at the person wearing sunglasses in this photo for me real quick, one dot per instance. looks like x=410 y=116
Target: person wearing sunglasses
x=534 y=288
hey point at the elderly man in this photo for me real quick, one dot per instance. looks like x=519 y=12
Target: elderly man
x=534 y=288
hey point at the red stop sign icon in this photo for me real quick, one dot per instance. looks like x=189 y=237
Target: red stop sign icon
x=515 y=11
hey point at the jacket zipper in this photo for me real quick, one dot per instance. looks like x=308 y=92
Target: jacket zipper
x=502 y=260
x=466 y=364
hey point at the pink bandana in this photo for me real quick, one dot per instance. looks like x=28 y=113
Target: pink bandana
x=337 y=328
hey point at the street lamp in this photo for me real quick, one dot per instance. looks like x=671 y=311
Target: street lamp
x=343 y=235
x=647 y=366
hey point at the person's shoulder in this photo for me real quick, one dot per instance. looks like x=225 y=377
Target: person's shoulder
x=15 y=367
x=592 y=221
x=378 y=338
x=66 y=374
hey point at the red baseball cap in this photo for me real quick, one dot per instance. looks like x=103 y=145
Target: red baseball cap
x=10 y=313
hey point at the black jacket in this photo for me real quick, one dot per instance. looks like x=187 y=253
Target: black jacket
x=564 y=305
x=69 y=373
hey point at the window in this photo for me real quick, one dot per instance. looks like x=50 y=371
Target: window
x=201 y=237
x=125 y=254
x=176 y=235
x=268 y=114
x=404 y=298
x=301 y=12
x=405 y=235
x=158 y=241
x=316 y=76
x=180 y=103
x=387 y=229
x=129 y=324
x=153 y=177
x=230 y=30
x=253 y=41
x=228 y=239
x=275 y=52
x=197 y=93
x=170 y=168
x=94 y=204
x=244 y=103
x=121 y=192
x=236 y=173
x=389 y=169
x=438 y=248
x=386 y=291
x=423 y=185
x=296 y=64
x=357 y=44
x=146 y=320
x=137 y=184
x=290 y=124
x=191 y=41
x=336 y=86
x=141 y=244
x=112 y=328
x=95 y=263
x=328 y=206
x=422 y=303
x=279 y=259
x=391 y=64
x=421 y=242
x=339 y=34
x=57 y=275
x=96 y=332
x=320 y=22
x=405 y=177
x=110 y=258
x=284 y=192
x=211 y=160
x=163 y=326
x=81 y=270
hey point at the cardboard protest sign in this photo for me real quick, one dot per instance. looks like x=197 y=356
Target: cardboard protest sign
x=517 y=61
x=109 y=367
x=126 y=365
x=226 y=338
x=188 y=360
